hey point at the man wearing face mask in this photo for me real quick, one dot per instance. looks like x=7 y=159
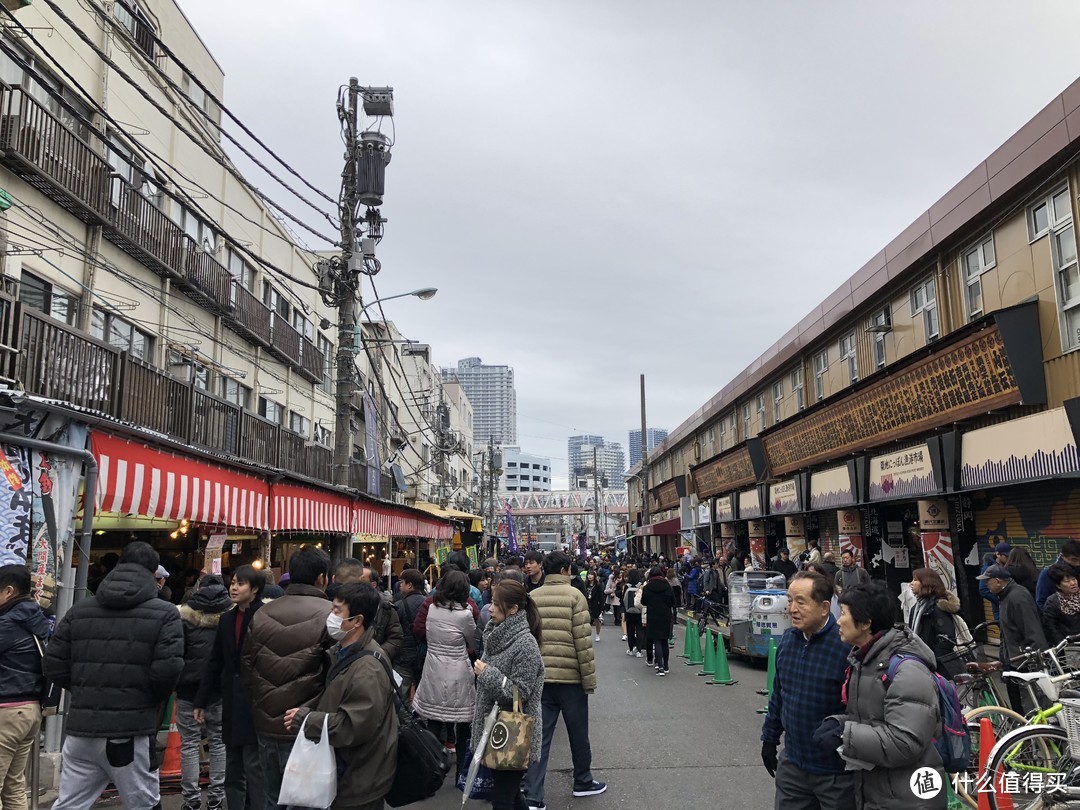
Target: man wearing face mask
x=284 y=662
x=357 y=703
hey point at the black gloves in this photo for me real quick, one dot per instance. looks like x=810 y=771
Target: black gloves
x=830 y=734
x=768 y=757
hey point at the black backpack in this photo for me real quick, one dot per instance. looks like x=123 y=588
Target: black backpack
x=422 y=761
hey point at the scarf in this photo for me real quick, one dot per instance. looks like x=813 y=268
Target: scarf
x=1070 y=605
x=919 y=611
x=497 y=637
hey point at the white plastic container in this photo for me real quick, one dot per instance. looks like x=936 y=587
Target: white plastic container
x=768 y=614
x=740 y=583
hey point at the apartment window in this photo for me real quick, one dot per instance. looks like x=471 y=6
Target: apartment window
x=882 y=324
x=235 y=392
x=275 y=301
x=924 y=300
x=268 y=409
x=975 y=262
x=821 y=365
x=327 y=349
x=723 y=433
x=762 y=419
x=129 y=168
x=1049 y=213
x=848 y=356
x=777 y=399
x=303 y=325
x=797 y=388
x=511 y=464
x=1064 y=244
x=23 y=69
x=321 y=435
x=298 y=423
x=240 y=270
x=746 y=420
x=197 y=229
x=40 y=295
x=200 y=374
x=122 y=334
x=134 y=19
x=734 y=433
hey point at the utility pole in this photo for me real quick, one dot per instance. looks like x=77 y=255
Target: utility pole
x=644 y=462
x=348 y=299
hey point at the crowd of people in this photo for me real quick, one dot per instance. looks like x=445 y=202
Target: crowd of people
x=251 y=664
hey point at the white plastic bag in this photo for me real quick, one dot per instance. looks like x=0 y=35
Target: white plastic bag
x=310 y=778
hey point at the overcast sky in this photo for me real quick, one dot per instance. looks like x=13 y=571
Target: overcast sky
x=601 y=189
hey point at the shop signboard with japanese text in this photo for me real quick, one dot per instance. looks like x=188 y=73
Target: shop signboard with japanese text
x=905 y=474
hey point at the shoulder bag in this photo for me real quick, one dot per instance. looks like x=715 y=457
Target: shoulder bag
x=511 y=739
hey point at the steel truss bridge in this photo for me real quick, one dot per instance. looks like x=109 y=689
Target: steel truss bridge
x=574 y=502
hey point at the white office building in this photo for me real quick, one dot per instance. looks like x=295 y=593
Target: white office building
x=523 y=472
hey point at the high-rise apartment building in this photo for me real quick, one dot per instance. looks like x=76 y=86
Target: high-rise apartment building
x=491 y=392
x=610 y=462
x=653 y=437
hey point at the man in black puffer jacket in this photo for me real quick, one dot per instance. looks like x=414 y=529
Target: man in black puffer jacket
x=200 y=615
x=120 y=654
x=21 y=682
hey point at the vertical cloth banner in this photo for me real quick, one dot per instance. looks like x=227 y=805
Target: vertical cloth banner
x=16 y=497
x=756 y=530
x=371 y=445
x=511 y=534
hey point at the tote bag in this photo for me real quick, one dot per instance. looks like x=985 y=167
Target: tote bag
x=511 y=739
x=310 y=778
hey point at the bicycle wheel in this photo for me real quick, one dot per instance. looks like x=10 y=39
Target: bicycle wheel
x=1003 y=721
x=1022 y=763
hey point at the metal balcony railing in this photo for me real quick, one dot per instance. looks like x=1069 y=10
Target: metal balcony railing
x=61 y=363
x=312 y=361
x=248 y=316
x=36 y=145
x=143 y=231
x=284 y=340
x=206 y=281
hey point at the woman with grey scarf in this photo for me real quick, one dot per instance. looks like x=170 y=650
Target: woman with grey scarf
x=511 y=658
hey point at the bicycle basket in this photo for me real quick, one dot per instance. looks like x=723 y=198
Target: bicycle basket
x=1070 y=718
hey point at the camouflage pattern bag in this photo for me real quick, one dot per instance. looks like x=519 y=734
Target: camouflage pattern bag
x=511 y=739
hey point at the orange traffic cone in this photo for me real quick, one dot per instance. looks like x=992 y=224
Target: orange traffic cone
x=170 y=765
x=987 y=741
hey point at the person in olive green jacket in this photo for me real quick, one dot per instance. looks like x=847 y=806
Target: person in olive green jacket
x=357 y=704
x=569 y=677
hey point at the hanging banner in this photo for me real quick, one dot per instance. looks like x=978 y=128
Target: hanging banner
x=938 y=554
x=474 y=558
x=57 y=479
x=795 y=534
x=784 y=498
x=934 y=516
x=16 y=500
x=756 y=530
x=704 y=514
x=212 y=556
x=850 y=535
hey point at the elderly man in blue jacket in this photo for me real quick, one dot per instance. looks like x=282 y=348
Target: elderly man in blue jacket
x=811 y=665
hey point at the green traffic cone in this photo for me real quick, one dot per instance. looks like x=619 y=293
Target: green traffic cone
x=723 y=671
x=770 y=674
x=710 y=654
x=695 y=650
x=691 y=630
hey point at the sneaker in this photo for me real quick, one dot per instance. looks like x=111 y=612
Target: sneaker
x=639 y=653
x=594 y=789
x=661 y=672
x=624 y=637
x=537 y=807
x=629 y=652
x=597 y=638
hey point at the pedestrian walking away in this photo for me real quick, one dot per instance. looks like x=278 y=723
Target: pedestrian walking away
x=569 y=678
x=658 y=599
x=635 y=635
x=119 y=654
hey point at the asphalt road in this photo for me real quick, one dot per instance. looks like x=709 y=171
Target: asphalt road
x=657 y=742
x=660 y=742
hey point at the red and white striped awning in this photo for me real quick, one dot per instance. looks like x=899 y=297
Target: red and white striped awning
x=388 y=522
x=307 y=509
x=139 y=480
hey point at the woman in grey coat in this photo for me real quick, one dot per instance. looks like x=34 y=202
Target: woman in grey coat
x=447 y=692
x=511 y=658
x=889 y=727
